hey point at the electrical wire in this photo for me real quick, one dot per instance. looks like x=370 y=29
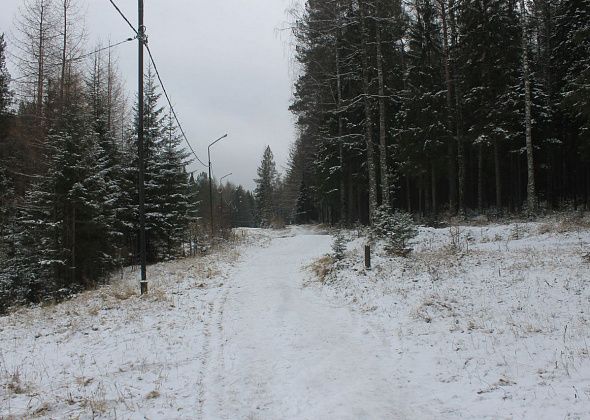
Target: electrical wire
x=82 y=56
x=161 y=83
x=124 y=17
x=170 y=104
x=102 y=49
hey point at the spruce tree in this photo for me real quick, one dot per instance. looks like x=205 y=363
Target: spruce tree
x=266 y=185
x=175 y=195
x=166 y=181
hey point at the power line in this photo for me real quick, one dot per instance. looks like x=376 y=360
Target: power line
x=102 y=49
x=123 y=16
x=69 y=60
x=170 y=104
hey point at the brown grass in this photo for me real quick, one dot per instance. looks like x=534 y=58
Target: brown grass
x=571 y=223
x=152 y=395
x=124 y=292
x=322 y=267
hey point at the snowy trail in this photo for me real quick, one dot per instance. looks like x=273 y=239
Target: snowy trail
x=282 y=351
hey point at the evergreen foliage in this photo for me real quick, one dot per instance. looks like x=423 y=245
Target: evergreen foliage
x=339 y=245
x=396 y=227
x=266 y=189
x=448 y=82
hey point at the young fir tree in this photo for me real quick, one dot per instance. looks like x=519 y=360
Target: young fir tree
x=63 y=235
x=266 y=184
x=166 y=182
x=175 y=195
x=117 y=201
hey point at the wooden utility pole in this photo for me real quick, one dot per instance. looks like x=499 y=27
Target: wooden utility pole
x=142 y=246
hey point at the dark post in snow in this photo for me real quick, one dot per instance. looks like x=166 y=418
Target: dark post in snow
x=368 y=256
x=142 y=246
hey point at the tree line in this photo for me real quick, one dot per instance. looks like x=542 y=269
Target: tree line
x=69 y=165
x=440 y=106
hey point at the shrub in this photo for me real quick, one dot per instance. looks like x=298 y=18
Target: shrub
x=396 y=227
x=339 y=245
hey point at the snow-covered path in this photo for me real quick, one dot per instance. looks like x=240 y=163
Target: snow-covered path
x=280 y=351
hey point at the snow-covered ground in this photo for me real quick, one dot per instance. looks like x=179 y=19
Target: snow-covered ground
x=113 y=354
x=490 y=321
x=495 y=326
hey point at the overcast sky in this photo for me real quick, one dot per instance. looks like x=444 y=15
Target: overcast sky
x=225 y=64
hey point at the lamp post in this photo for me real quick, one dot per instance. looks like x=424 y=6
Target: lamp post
x=211 y=182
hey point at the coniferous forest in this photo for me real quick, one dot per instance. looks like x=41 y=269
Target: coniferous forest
x=440 y=107
x=69 y=165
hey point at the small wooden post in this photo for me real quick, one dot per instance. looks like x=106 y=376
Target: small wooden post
x=143 y=287
x=368 y=257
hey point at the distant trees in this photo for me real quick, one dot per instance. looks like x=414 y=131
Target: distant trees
x=265 y=192
x=440 y=106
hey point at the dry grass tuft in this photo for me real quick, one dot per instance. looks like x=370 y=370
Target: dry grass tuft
x=123 y=292
x=322 y=267
x=93 y=310
x=83 y=381
x=159 y=295
x=152 y=395
x=570 y=223
x=15 y=383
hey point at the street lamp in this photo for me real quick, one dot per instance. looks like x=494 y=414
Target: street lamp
x=210 y=182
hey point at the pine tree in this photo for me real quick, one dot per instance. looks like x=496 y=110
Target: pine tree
x=265 y=191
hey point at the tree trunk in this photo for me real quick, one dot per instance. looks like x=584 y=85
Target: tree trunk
x=368 y=119
x=385 y=199
x=480 y=178
x=433 y=185
x=408 y=194
x=458 y=122
x=343 y=217
x=41 y=60
x=531 y=193
x=452 y=169
x=497 y=175
x=63 y=52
